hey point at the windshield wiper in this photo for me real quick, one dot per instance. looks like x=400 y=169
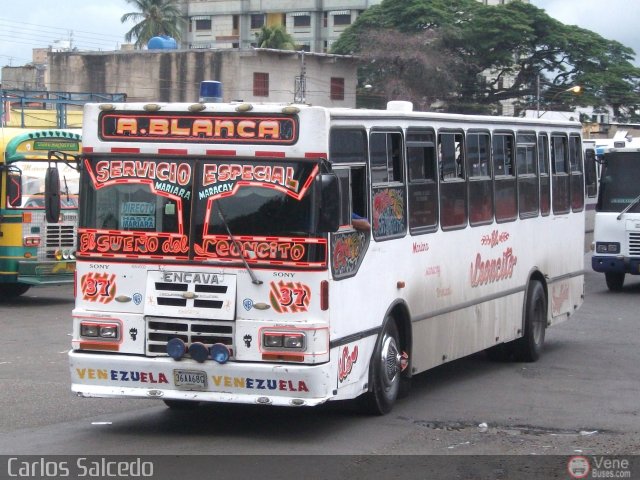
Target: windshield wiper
x=254 y=279
x=66 y=187
x=629 y=207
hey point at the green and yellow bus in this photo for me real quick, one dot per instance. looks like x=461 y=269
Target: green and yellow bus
x=34 y=251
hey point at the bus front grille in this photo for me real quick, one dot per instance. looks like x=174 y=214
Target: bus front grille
x=60 y=236
x=634 y=244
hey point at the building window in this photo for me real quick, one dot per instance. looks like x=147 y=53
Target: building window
x=302 y=21
x=339 y=20
x=260 y=84
x=257 y=21
x=202 y=25
x=337 y=88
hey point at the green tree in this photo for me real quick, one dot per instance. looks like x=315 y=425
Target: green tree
x=153 y=17
x=275 y=37
x=499 y=53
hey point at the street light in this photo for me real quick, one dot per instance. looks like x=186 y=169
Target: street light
x=576 y=90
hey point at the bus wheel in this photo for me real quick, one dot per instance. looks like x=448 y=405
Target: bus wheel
x=385 y=372
x=614 y=280
x=528 y=348
x=181 y=404
x=11 y=290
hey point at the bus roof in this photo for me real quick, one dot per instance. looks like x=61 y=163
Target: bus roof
x=35 y=144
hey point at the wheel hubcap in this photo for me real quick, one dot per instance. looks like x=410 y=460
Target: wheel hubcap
x=390 y=361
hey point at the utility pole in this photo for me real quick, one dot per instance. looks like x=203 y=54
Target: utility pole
x=300 y=95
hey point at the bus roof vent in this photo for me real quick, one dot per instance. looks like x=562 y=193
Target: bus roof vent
x=399 y=106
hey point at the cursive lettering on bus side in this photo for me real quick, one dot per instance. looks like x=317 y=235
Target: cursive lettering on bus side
x=492 y=270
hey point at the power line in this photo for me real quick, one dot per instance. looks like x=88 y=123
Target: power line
x=50 y=27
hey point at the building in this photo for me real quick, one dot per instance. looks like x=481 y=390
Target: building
x=314 y=24
x=256 y=75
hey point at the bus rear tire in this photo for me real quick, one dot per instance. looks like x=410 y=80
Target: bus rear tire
x=615 y=280
x=528 y=348
x=12 y=290
x=385 y=372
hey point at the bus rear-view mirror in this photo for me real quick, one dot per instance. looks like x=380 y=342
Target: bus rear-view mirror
x=52 y=195
x=329 y=220
x=14 y=189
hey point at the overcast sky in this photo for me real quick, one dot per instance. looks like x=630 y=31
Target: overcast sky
x=95 y=24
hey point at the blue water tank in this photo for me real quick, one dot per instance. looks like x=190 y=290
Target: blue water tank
x=211 y=91
x=162 y=42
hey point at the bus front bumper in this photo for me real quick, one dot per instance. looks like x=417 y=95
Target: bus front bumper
x=609 y=264
x=47 y=272
x=105 y=375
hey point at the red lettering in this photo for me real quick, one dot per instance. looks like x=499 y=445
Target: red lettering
x=346 y=362
x=492 y=270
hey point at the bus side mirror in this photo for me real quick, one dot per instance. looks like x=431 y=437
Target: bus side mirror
x=590 y=177
x=329 y=220
x=14 y=189
x=52 y=195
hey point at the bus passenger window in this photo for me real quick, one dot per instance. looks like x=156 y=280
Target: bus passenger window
x=423 y=181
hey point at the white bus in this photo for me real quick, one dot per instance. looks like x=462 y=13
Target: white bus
x=617 y=220
x=218 y=259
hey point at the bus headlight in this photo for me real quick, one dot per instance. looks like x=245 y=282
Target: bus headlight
x=607 y=247
x=106 y=331
x=283 y=340
x=303 y=344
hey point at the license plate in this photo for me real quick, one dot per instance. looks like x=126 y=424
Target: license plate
x=190 y=379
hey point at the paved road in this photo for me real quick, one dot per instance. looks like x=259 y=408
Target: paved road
x=581 y=397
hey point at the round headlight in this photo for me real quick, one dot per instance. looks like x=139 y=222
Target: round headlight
x=219 y=352
x=198 y=351
x=176 y=348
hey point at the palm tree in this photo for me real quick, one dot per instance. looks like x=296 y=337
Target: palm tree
x=275 y=37
x=154 y=17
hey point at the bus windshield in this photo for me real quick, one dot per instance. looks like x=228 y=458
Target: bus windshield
x=33 y=173
x=619 y=184
x=195 y=206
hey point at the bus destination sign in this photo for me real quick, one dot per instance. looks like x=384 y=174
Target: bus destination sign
x=201 y=128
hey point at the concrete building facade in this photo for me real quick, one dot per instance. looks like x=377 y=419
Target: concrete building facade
x=257 y=75
x=314 y=24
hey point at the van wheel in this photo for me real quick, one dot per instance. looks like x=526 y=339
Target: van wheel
x=614 y=280
x=528 y=348
x=12 y=290
x=385 y=372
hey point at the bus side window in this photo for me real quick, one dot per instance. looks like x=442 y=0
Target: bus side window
x=528 y=190
x=422 y=181
x=560 y=180
x=577 y=177
x=453 y=188
x=389 y=213
x=505 y=189
x=480 y=184
x=543 y=172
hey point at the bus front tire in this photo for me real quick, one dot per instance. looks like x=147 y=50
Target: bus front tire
x=528 y=348
x=615 y=280
x=385 y=372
